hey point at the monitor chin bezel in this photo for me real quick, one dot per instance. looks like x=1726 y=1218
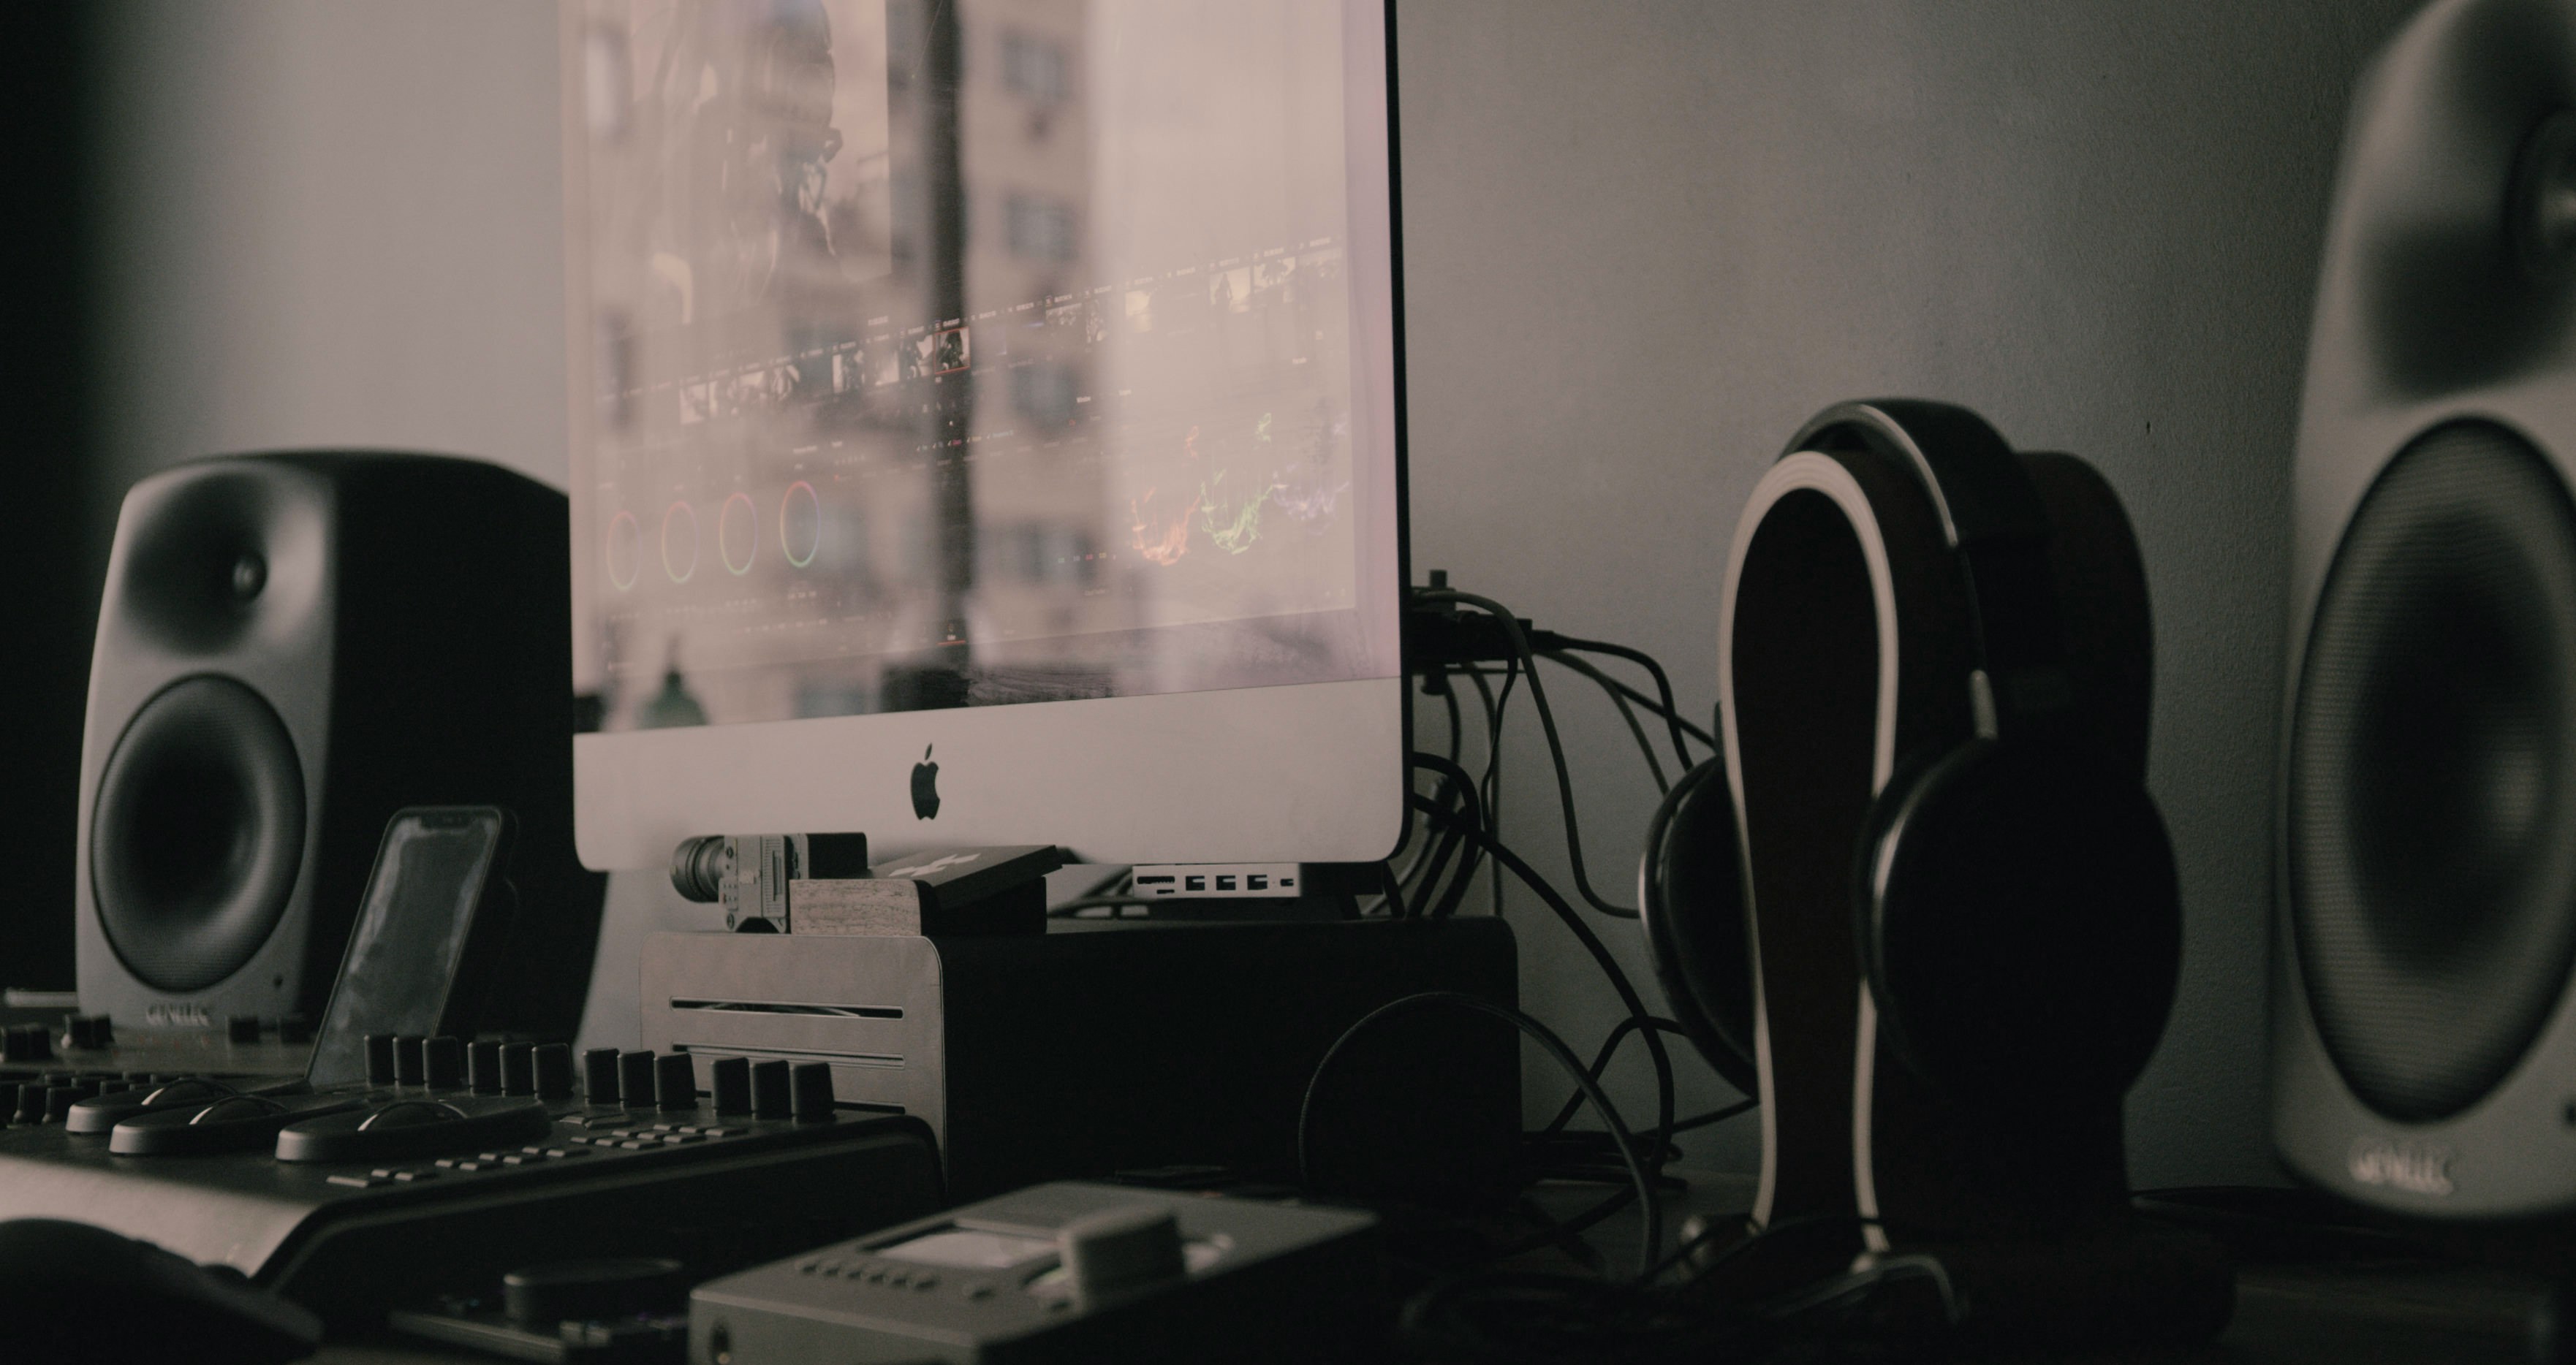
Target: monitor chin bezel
x=1312 y=772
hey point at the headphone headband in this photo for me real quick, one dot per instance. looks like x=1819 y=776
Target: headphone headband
x=1976 y=482
x=1997 y=532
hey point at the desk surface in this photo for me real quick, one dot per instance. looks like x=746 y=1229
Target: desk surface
x=2393 y=1314
x=2284 y=1316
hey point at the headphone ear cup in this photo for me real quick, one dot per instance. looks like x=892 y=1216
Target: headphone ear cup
x=2020 y=925
x=1691 y=894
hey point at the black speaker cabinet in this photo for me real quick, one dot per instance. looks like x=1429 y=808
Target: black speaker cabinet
x=290 y=649
x=2424 y=1035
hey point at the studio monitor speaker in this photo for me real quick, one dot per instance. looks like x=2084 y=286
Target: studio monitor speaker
x=2424 y=1032
x=290 y=649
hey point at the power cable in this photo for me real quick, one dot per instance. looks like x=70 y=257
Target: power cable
x=1627 y=713
x=1651 y=1234
x=1592 y=944
x=1528 y=660
x=1454 y=779
x=1656 y=709
x=1609 y=1048
x=1663 y=685
x=1490 y=791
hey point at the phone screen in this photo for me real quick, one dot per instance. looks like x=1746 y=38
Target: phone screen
x=411 y=934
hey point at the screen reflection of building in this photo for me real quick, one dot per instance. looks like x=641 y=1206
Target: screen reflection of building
x=890 y=417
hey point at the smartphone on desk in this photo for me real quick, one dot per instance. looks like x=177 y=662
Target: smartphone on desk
x=430 y=937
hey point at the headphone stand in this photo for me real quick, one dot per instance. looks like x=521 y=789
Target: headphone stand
x=1963 y=928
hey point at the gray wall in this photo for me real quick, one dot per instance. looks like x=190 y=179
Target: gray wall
x=333 y=222
x=1644 y=241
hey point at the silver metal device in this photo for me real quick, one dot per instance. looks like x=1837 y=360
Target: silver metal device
x=1064 y=1271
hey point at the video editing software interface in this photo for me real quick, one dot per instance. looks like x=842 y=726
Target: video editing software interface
x=951 y=353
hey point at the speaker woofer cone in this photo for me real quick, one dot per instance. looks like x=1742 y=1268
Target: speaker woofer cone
x=197 y=833
x=2431 y=835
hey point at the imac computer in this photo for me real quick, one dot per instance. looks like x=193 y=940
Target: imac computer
x=987 y=425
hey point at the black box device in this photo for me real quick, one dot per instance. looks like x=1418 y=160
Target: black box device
x=1098 y=1047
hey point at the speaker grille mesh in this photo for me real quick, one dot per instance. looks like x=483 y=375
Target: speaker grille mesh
x=2432 y=783
x=197 y=833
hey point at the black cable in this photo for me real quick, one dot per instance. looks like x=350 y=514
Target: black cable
x=1653 y=707
x=1493 y=780
x=1492 y=796
x=1457 y=744
x=1724 y=1258
x=1718 y=1115
x=1601 y=1060
x=1448 y=904
x=1461 y=883
x=1453 y=779
x=1842 y=1290
x=1584 y=1155
x=1656 y=709
x=1511 y=627
x=1473 y=815
x=1456 y=787
x=1610 y=968
x=1413 y=865
x=1663 y=685
x=1406 y=876
x=1627 y=713
x=1523 y=1317
x=1605 y=1173
x=1542 y=1318
x=1457 y=723
x=1394 y=892
x=1435 y=902
x=1566 y=1235
x=1651 y=1236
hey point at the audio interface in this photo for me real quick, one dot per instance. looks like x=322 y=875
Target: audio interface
x=353 y=1199
x=1062 y=1272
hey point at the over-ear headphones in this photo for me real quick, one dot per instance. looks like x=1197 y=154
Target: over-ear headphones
x=1691 y=894
x=2013 y=898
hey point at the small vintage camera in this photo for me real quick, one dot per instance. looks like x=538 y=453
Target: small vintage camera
x=749 y=873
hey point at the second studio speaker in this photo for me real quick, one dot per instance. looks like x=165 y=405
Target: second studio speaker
x=290 y=649
x=2424 y=1029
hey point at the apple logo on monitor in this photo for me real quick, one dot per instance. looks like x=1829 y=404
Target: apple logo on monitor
x=925 y=786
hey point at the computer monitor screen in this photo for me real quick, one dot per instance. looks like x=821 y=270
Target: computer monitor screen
x=937 y=359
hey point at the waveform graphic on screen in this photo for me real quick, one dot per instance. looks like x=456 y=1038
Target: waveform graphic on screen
x=1160 y=542
x=625 y=550
x=1308 y=491
x=737 y=533
x=680 y=542
x=1232 y=522
x=1307 y=494
x=800 y=523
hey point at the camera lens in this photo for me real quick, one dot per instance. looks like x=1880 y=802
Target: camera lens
x=699 y=866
